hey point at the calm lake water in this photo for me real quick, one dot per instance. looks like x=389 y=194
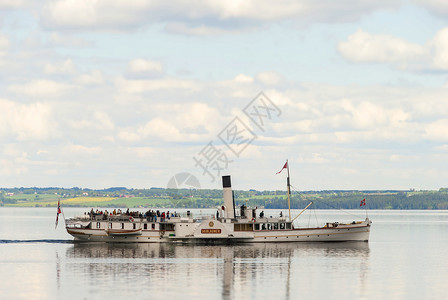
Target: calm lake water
x=405 y=259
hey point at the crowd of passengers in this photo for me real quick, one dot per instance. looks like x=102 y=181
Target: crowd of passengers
x=150 y=215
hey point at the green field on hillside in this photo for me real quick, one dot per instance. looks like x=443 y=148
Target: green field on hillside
x=184 y=198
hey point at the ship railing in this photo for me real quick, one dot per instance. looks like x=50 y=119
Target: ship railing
x=82 y=218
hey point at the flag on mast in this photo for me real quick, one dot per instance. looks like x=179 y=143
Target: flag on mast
x=57 y=214
x=284 y=167
x=363 y=202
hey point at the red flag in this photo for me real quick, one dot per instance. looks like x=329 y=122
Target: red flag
x=284 y=167
x=363 y=202
x=57 y=214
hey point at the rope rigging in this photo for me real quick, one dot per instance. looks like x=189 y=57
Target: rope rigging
x=326 y=203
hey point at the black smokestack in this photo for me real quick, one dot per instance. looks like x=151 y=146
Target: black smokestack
x=226 y=181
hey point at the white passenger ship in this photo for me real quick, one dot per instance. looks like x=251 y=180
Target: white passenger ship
x=225 y=227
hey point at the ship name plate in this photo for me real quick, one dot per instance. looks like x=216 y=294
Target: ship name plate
x=212 y=231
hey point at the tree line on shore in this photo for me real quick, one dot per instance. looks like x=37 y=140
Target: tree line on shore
x=197 y=198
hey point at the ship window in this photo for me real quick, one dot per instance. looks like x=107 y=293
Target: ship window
x=98 y=225
x=257 y=226
x=288 y=225
x=122 y=225
x=282 y=225
x=145 y=226
x=275 y=226
x=110 y=225
x=263 y=226
x=243 y=227
x=133 y=225
x=153 y=226
x=269 y=226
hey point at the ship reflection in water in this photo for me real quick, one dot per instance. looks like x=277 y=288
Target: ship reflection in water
x=283 y=270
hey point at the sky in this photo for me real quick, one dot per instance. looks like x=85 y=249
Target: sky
x=138 y=93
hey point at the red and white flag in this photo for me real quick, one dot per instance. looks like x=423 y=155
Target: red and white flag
x=57 y=214
x=284 y=167
x=363 y=202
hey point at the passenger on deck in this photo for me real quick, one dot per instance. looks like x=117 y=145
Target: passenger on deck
x=243 y=210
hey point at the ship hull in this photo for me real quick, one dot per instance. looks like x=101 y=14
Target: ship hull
x=359 y=233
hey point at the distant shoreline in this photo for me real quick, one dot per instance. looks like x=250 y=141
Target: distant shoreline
x=189 y=198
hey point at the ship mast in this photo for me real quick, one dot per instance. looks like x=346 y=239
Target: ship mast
x=289 y=190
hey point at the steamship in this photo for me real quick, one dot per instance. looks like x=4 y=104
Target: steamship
x=229 y=225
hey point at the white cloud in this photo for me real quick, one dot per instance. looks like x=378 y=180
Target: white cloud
x=127 y=117
x=4 y=44
x=437 y=130
x=14 y=4
x=94 y=78
x=437 y=7
x=66 y=67
x=102 y=14
x=160 y=128
x=156 y=128
x=129 y=135
x=26 y=122
x=104 y=120
x=10 y=168
x=141 y=86
x=199 y=17
x=177 y=123
x=314 y=158
x=269 y=78
x=41 y=88
x=145 y=65
x=439 y=47
x=242 y=78
x=365 y=47
x=327 y=114
x=58 y=40
x=283 y=99
x=143 y=152
x=99 y=121
x=181 y=28
x=365 y=114
x=14 y=152
x=82 y=150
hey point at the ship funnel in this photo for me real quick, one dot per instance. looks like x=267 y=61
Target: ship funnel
x=229 y=206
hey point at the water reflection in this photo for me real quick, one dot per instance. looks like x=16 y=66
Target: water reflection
x=278 y=250
x=214 y=272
